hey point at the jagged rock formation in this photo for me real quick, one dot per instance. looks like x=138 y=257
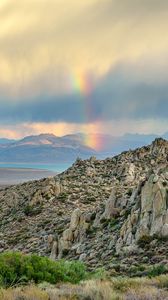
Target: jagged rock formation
x=149 y=212
x=97 y=211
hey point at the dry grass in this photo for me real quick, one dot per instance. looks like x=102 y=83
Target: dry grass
x=146 y=293
x=161 y=281
x=26 y=293
x=96 y=290
x=114 y=289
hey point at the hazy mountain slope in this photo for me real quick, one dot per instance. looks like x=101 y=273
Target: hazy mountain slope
x=4 y=141
x=45 y=148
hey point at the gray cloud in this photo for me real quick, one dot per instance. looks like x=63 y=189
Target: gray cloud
x=121 y=10
x=118 y=95
x=42 y=109
x=125 y=96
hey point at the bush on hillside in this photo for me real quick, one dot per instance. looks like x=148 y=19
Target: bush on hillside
x=157 y=270
x=17 y=268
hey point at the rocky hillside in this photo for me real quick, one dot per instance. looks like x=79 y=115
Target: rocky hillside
x=111 y=213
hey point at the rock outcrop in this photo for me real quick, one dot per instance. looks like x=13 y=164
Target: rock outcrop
x=75 y=234
x=149 y=214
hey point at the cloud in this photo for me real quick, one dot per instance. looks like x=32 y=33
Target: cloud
x=122 y=43
x=132 y=9
x=114 y=127
x=119 y=94
x=37 y=37
x=131 y=95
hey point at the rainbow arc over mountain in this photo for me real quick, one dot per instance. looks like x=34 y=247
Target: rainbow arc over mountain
x=82 y=83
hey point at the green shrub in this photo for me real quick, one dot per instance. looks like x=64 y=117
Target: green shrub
x=127 y=212
x=144 y=241
x=129 y=192
x=136 y=270
x=18 y=268
x=30 y=210
x=100 y=273
x=62 y=197
x=157 y=270
x=113 y=222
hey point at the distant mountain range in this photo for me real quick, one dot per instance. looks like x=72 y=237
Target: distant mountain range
x=44 y=148
x=6 y=141
x=48 y=148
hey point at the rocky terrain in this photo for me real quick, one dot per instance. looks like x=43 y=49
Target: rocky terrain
x=111 y=213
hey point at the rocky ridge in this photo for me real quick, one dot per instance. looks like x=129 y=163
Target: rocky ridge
x=111 y=213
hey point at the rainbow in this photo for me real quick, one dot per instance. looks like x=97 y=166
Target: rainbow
x=82 y=84
x=93 y=140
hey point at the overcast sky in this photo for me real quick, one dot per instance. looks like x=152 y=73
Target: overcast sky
x=93 y=66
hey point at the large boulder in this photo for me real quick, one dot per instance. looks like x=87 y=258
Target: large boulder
x=75 y=218
x=110 y=207
x=75 y=234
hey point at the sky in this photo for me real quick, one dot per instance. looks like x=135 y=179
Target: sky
x=88 y=66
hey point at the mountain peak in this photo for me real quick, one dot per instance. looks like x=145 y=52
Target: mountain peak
x=159 y=141
x=159 y=145
x=47 y=135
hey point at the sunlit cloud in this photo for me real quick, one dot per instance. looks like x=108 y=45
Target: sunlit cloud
x=61 y=128
x=45 y=45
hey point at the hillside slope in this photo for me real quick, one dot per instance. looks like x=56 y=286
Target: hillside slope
x=111 y=213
